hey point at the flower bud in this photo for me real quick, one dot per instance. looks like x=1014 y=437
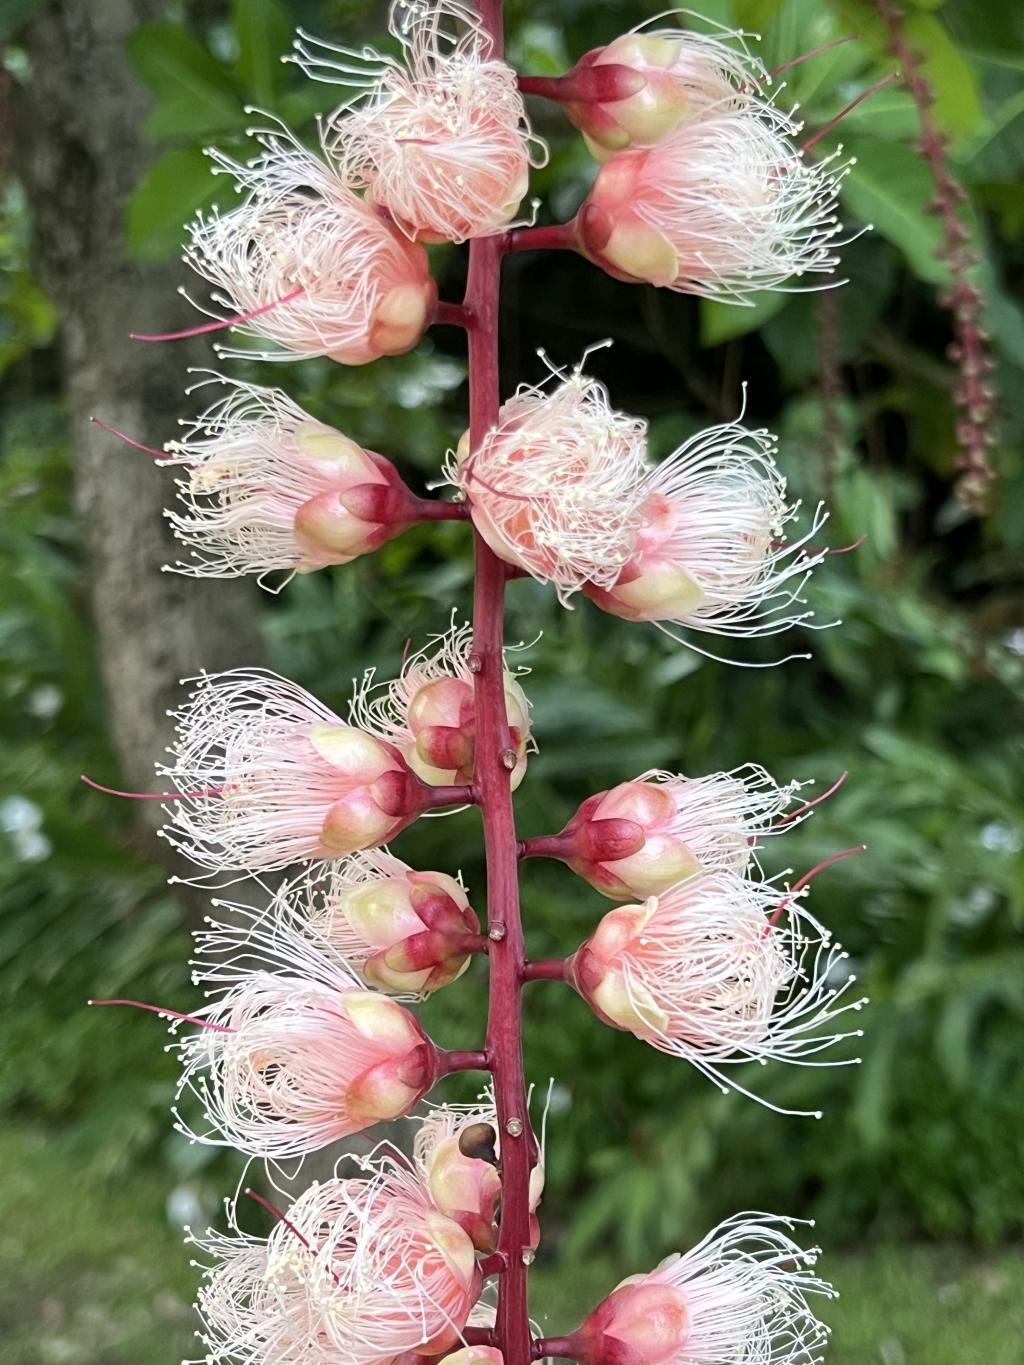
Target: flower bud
x=657 y=82
x=710 y=553
x=440 y=140
x=722 y=208
x=305 y=263
x=429 y=712
x=286 y=1066
x=640 y=1323
x=741 y=1294
x=404 y=932
x=644 y=836
x=552 y=488
x=457 y=1152
x=476 y=1355
x=268 y=777
x=268 y=487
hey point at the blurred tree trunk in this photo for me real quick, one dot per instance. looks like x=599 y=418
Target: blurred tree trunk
x=79 y=151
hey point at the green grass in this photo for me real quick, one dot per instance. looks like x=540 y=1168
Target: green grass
x=94 y=1275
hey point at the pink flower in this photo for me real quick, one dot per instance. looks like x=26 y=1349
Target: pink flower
x=404 y=932
x=723 y=207
x=644 y=836
x=429 y=712
x=458 y=1155
x=305 y=263
x=702 y=972
x=268 y=776
x=657 y=82
x=740 y=1295
x=287 y=1064
x=710 y=553
x=440 y=139
x=357 y=1272
x=267 y=487
x=553 y=487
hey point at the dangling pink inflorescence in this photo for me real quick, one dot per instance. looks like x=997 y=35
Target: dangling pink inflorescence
x=710 y=554
x=642 y=837
x=269 y=776
x=553 y=487
x=358 y=1271
x=299 y=1057
x=723 y=207
x=702 y=972
x=457 y=1152
x=740 y=1295
x=306 y=263
x=267 y=487
x=440 y=139
x=428 y=713
x=642 y=86
x=404 y=932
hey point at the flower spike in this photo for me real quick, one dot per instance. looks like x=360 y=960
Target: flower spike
x=440 y=139
x=305 y=263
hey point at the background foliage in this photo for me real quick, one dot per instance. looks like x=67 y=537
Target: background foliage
x=917 y=694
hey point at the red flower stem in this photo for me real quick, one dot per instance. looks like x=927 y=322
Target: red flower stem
x=563 y=1347
x=557 y=237
x=434 y=509
x=460 y=1060
x=558 y=846
x=435 y=797
x=546 y=969
x=479 y=1336
x=492 y=781
x=450 y=314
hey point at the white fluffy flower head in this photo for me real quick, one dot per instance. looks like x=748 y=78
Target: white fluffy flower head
x=554 y=487
x=440 y=138
x=306 y=263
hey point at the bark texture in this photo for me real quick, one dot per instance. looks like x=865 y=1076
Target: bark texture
x=78 y=149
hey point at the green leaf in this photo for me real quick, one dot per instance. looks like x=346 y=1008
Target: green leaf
x=263 y=29
x=168 y=195
x=721 y=322
x=185 y=119
x=14 y=13
x=890 y=186
x=957 y=107
x=178 y=68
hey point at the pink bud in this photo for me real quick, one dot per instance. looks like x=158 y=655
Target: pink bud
x=440 y=140
x=269 y=777
x=476 y=1355
x=739 y=1295
x=644 y=836
x=294 y=1065
x=642 y=1322
x=429 y=712
x=307 y=264
x=722 y=207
